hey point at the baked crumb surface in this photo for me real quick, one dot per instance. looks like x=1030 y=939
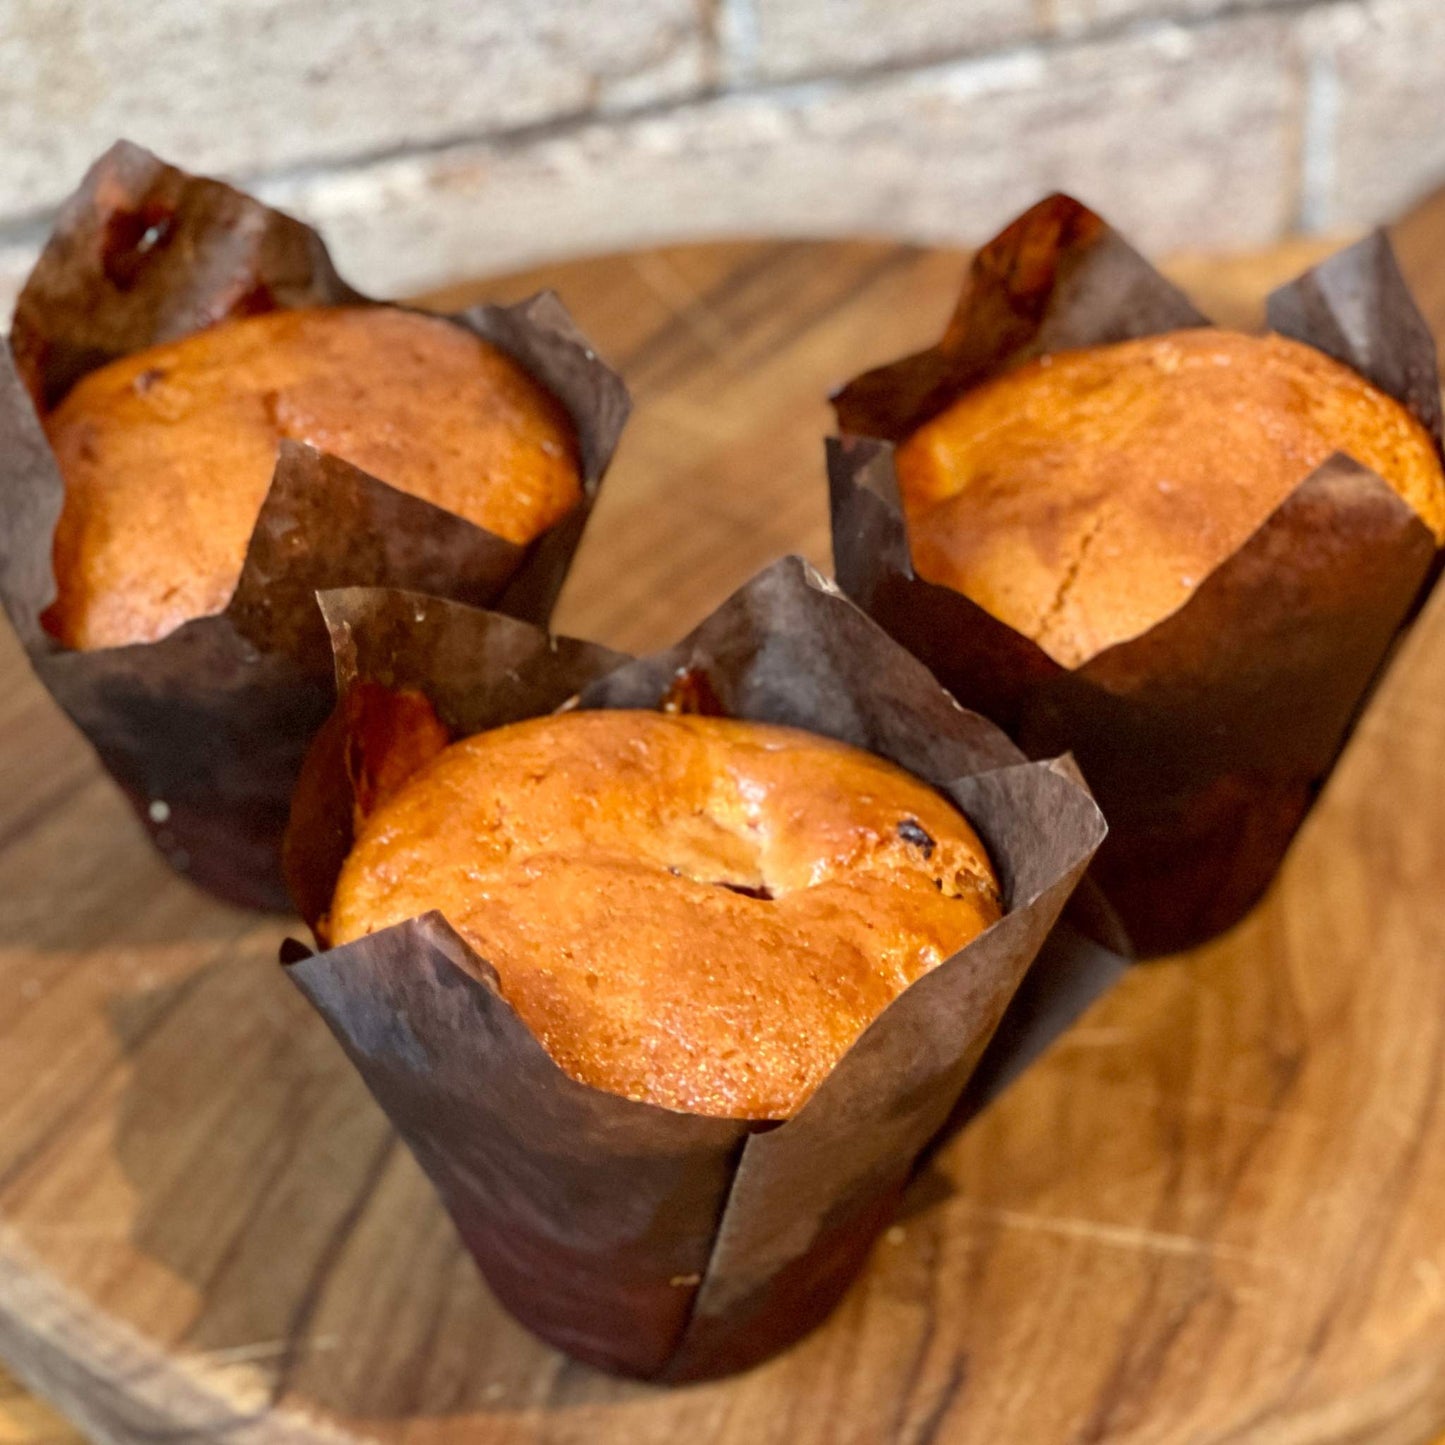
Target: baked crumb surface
x=1084 y=496
x=167 y=454
x=700 y=913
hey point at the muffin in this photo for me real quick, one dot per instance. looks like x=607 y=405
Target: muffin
x=1184 y=557
x=1083 y=496
x=661 y=1242
x=693 y=912
x=167 y=453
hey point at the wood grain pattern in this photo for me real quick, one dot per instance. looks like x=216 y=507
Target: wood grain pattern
x=1215 y=1213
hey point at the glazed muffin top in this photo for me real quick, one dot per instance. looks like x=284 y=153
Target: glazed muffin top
x=167 y=454
x=698 y=913
x=1082 y=497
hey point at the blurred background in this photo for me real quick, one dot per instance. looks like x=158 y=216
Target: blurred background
x=434 y=140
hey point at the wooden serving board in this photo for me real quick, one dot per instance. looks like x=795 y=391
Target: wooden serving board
x=1215 y=1212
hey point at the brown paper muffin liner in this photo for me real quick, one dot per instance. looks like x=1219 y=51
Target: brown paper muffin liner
x=205 y=729
x=649 y=1242
x=1207 y=738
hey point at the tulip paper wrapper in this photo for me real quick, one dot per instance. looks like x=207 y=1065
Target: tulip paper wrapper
x=1207 y=738
x=650 y=1242
x=205 y=729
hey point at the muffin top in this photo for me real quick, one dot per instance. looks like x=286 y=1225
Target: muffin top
x=1082 y=497
x=698 y=913
x=167 y=454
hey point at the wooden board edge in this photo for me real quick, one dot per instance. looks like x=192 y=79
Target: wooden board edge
x=116 y=1386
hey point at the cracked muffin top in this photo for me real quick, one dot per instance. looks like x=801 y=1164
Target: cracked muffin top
x=693 y=912
x=1082 y=497
x=167 y=454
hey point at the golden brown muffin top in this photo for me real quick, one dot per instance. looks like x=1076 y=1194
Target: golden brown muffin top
x=167 y=454
x=695 y=912
x=1082 y=497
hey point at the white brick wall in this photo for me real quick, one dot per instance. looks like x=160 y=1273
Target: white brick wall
x=454 y=137
x=790 y=39
x=938 y=154
x=247 y=86
x=1378 y=72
